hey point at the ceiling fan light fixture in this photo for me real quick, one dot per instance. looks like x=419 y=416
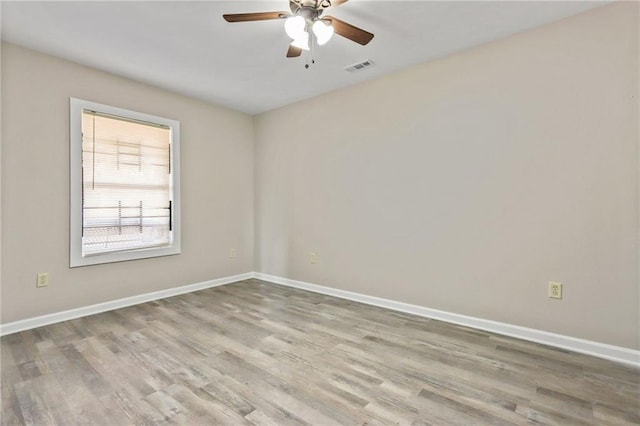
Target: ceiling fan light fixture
x=323 y=31
x=295 y=26
x=301 y=42
x=306 y=25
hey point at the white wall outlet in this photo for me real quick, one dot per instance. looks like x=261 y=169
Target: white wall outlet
x=43 y=279
x=555 y=290
x=232 y=253
x=313 y=257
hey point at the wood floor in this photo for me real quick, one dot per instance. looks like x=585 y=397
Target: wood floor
x=257 y=353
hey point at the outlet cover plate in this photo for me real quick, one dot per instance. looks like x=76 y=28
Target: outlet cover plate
x=555 y=290
x=43 y=279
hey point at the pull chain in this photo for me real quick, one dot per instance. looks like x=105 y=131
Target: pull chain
x=312 y=49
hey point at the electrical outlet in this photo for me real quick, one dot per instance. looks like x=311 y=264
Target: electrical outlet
x=43 y=279
x=313 y=257
x=232 y=253
x=555 y=290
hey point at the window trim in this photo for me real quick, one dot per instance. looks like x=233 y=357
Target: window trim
x=76 y=106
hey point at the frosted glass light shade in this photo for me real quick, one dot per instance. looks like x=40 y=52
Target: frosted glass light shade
x=294 y=26
x=302 y=42
x=323 y=31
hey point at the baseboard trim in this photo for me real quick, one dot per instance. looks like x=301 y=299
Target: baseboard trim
x=588 y=347
x=29 y=323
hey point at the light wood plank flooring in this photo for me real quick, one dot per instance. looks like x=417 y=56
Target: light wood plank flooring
x=258 y=353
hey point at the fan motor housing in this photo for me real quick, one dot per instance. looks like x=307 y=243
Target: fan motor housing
x=308 y=9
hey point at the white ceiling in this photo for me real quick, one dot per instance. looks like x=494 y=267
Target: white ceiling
x=187 y=47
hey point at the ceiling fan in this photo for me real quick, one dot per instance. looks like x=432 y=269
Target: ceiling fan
x=305 y=25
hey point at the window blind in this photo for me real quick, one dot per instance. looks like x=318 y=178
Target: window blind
x=126 y=184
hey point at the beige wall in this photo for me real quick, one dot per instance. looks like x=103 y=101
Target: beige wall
x=464 y=184
x=468 y=183
x=217 y=188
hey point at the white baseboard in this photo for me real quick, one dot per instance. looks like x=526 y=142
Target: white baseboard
x=588 y=347
x=29 y=323
x=601 y=350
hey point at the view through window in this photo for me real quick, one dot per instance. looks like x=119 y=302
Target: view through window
x=127 y=184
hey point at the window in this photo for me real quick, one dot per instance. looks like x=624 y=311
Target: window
x=125 y=194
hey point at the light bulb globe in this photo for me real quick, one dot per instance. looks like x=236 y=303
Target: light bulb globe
x=301 y=42
x=323 y=31
x=294 y=26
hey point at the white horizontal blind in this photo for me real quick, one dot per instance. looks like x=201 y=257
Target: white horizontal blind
x=126 y=184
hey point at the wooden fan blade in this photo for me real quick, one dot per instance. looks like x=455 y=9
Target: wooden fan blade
x=259 y=16
x=349 y=31
x=293 y=52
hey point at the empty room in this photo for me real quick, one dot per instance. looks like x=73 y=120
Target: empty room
x=320 y=212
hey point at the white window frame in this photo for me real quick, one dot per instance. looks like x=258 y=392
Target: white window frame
x=76 y=106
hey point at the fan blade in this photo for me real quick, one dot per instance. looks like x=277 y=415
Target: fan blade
x=349 y=31
x=293 y=52
x=325 y=4
x=259 y=16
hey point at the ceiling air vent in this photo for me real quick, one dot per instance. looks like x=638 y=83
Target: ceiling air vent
x=360 y=66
